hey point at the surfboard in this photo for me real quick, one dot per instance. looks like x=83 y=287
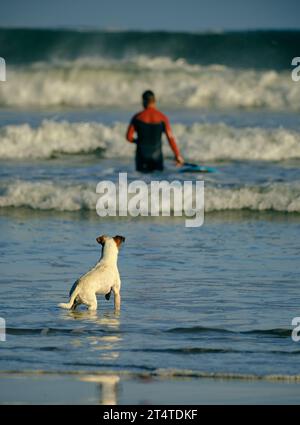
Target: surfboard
x=188 y=167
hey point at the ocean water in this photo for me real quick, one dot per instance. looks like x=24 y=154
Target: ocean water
x=217 y=300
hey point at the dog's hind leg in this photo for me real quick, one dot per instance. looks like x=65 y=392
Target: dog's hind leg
x=92 y=303
x=75 y=304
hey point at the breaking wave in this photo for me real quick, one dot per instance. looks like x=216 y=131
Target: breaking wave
x=241 y=69
x=58 y=196
x=202 y=142
x=238 y=49
x=102 y=82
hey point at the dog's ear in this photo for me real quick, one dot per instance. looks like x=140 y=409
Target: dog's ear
x=119 y=239
x=101 y=239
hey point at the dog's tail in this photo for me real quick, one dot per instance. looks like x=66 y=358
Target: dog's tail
x=70 y=304
x=67 y=306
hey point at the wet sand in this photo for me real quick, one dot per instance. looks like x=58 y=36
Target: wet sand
x=117 y=389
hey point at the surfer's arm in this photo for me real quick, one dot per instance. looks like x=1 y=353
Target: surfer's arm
x=130 y=133
x=172 y=142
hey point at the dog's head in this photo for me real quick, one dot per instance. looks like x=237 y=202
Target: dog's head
x=118 y=239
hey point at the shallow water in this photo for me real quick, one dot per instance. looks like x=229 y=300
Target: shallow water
x=218 y=299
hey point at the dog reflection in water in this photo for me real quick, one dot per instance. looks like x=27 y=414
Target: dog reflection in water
x=108 y=386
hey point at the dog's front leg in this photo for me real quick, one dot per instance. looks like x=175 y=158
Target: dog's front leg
x=117 y=299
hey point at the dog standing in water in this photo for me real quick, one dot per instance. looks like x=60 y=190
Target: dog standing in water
x=102 y=279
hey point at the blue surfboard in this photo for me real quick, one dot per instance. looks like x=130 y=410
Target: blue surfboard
x=188 y=167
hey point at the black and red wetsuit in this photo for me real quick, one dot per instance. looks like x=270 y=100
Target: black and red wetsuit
x=149 y=126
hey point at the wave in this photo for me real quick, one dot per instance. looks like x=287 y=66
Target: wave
x=152 y=372
x=201 y=142
x=52 y=331
x=209 y=350
x=173 y=373
x=238 y=49
x=276 y=332
x=197 y=329
x=187 y=350
x=93 y=68
x=100 y=82
x=201 y=329
x=58 y=196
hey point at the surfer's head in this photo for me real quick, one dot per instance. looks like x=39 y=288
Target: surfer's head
x=148 y=98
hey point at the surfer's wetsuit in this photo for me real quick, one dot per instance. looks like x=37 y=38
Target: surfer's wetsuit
x=149 y=126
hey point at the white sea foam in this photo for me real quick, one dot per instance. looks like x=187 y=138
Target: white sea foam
x=107 y=82
x=46 y=195
x=202 y=142
x=51 y=137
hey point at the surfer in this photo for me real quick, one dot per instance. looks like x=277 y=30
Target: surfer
x=149 y=125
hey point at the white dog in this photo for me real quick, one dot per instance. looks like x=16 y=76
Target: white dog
x=102 y=279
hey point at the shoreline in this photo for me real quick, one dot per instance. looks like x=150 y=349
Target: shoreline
x=115 y=388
